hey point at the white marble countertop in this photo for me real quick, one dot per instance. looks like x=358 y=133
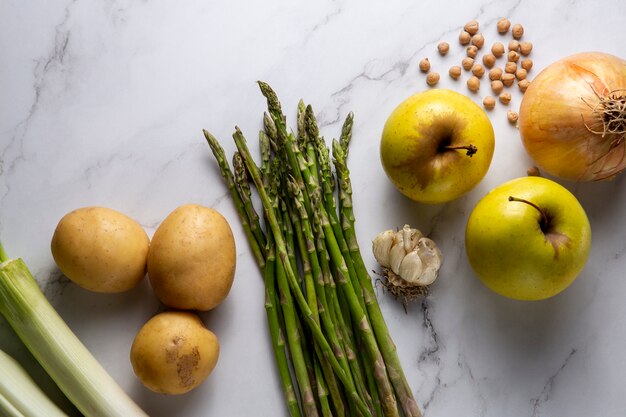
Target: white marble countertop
x=103 y=104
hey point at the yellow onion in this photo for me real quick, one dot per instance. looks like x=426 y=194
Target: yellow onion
x=573 y=117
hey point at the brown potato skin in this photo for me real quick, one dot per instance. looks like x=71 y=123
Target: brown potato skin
x=191 y=263
x=174 y=352
x=100 y=249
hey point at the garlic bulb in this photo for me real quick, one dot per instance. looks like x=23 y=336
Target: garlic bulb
x=408 y=258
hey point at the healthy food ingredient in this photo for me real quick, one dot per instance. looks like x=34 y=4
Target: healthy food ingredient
x=573 y=117
x=424 y=65
x=410 y=261
x=517 y=31
x=495 y=73
x=471 y=27
x=20 y=395
x=436 y=146
x=489 y=102
x=512 y=116
x=489 y=60
x=464 y=38
x=473 y=83
x=513 y=56
x=528 y=239
x=100 y=249
x=57 y=349
x=455 y=72
x=304 y=224
x=174 y=352
x=527 y=64
x=432 y=78
x=478 y=70
x=503 y=25
x=497 y=49
x=508 y=79
x=497 y=86
x=192 y=259
x=471 y=51
x=443 y=48
x=525 y=48
x=523 y=85
x=478 y=40
x=505 y=97
x=514 y=45
x=467 y=63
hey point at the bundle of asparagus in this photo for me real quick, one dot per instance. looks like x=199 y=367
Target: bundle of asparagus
x=326 y=326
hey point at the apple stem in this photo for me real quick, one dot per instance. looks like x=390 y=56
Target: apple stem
x=544 y=217
x=471 y=149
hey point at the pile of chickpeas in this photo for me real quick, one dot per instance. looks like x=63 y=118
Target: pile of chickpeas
x=515 y=69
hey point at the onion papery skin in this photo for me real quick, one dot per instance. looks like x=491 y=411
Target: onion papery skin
x=557 y=105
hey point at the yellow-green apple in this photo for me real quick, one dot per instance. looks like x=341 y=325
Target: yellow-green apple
x=436 y=146
x=528 y=239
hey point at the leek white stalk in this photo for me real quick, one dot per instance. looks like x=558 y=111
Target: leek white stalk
x=68 y=362
x=20 y=395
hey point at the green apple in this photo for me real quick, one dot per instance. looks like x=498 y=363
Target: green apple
x=436 y=146
x=528 y=239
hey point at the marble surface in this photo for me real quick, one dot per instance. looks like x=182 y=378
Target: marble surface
x=103 y=104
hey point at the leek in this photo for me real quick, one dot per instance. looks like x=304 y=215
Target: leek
x=68 y=362
x=19 y=395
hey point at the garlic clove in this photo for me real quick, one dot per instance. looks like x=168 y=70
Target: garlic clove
x=411 y=268
x=431 y=258
x=397 y=253
x=415 y=236
x=381 y=245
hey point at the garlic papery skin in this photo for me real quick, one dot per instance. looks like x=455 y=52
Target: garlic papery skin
x=408 y=258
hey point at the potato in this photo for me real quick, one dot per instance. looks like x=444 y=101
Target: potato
x=174 y=352
x=100 y=249
x=191 y=262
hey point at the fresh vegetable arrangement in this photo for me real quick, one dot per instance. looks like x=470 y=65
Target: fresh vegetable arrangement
x=526 y=239
x=319 y=295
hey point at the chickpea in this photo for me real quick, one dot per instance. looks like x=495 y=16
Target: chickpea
x=517 y=31
x=471 y=51
x=478 y=70
x=455 y=72
x=514 y=45
x=520 y=74
x=465 y=38
x=432 y=78
x=525 y=48
x=473 y=84
x=503 y=25
x=523 y=85
x=497 y=49
x=478 y=40
x=532 y=171
x=443 y=48
x=510 y=67
x=497 y=86
x=471 y=27
x=489 y=60
x=467 y=63
x=527 y=64
x=489 y=102
x=513 y=56
x=508 y=79
x=424 y=65
x=505 y=97
x=512 y=117
x=495 y=73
